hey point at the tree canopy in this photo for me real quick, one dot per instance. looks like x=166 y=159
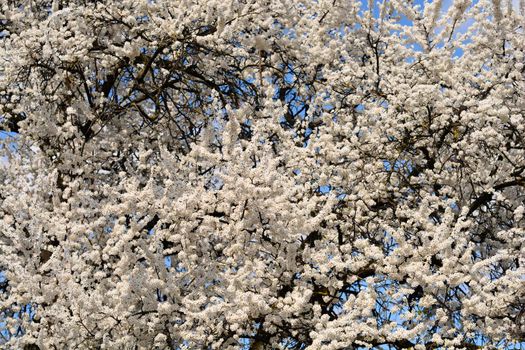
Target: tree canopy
x=252 y=174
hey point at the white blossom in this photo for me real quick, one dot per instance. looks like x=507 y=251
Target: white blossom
x=261 y=174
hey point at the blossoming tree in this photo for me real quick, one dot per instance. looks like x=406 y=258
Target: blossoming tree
x=258 y=174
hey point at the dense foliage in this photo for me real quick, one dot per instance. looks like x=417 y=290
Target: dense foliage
x=256 y=174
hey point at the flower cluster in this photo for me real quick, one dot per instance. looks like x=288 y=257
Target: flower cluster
x=207 y=174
